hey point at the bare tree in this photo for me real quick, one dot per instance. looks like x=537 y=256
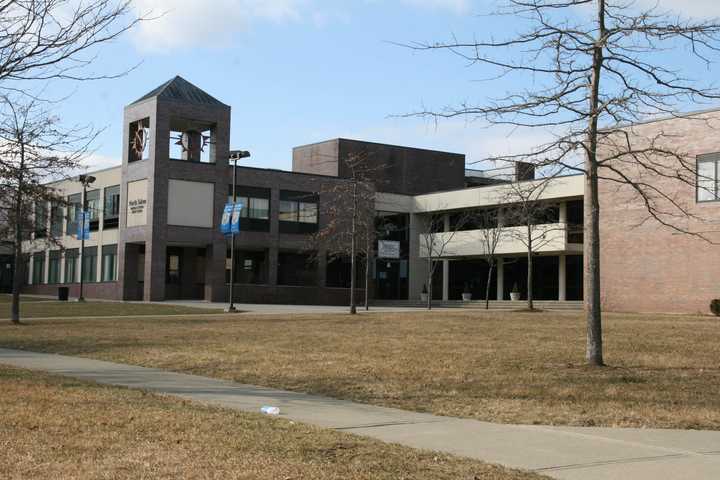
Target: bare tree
x=437 y=235
x=349 y=229
x=491 y=232
x=33 y=150
x=57 y=39
x=589 y=66
x=534 y=221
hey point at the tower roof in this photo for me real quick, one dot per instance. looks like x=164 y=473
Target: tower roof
x=179 y=89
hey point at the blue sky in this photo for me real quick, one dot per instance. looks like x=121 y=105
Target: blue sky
x=302 y=71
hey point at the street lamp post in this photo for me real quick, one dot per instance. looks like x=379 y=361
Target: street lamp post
x=235 y=155
x=85 y=180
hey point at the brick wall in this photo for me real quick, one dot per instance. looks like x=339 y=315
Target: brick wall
x=648 y=267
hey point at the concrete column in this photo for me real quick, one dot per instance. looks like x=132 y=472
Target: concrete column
x=417 y=266
x=500 y=278
x=562 y=279
x=446 y=280
x=46 y=273
x=563 y=212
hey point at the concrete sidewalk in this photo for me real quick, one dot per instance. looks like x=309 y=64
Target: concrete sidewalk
x=560 y=452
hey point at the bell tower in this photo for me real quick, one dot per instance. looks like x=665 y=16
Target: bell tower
x=174 y=185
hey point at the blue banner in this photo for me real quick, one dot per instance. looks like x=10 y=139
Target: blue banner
x=235 y=222
x=83 y=226
x=225 y=222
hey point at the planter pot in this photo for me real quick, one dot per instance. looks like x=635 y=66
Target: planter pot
x=423 y=297
x=466 y=297
x=514 y=296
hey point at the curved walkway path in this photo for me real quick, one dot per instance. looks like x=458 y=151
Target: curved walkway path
x=560 y=452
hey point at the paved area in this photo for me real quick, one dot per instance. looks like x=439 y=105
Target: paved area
x=280 y=309
x=560 y=452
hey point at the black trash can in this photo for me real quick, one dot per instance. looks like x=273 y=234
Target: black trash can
x=63 y=294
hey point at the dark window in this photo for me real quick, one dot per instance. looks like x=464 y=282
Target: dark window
x=111 y=207
x=297 y=269
x=298 y=212
x=56 y=221
x=41 y=219
x=38 y=273
x=708 y=178
x=478 y=219
x=250 y=267
x=54 y=267
x=73 y=212
x=575 y=218
x=71 y=265
x=89 y=269
x=173 y=267
x=255 y=215
x=338 y=272
x=109 y=263
x=93 y=207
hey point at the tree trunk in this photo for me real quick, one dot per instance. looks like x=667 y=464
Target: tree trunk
x=487 y=286
x=429 y=284
x=530 y=304
x=17 y=250
x=367 y=277
x=353 y=266
x=593 y=313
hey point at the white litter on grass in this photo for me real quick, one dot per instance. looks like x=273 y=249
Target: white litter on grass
x=270 y=410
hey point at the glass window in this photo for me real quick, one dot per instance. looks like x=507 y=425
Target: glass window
x=93 y=208
x=41 y=219
x=708 y=182
x=73 y=211
x=71 y=265
x=288 y=211
x=308 y=213
x=89 y=267
x=173 y=266
x=299 y=269
x=38 y=274
x=259 y=208
x=111 y=207
x=54 y=267
x=56 y=221
x=109 y=263
x=251 y=267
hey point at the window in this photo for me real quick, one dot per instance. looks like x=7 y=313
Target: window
x=89 y=266
x=109 y=263
x=56 y=221
x=172 y=271
x=708 y=181
x=41 y=219
x=38 y=273
x=54 y=267
x=299 y=269
x=255 y=215
x=71 y=265
x=298 y=212
x=111 y=207
x=93 y=207
x=73 y=212
x=251 y=267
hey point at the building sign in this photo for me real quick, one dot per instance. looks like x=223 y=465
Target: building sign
x=225 y=221
x=137 y=203
x=83 y=226
x=388 y=249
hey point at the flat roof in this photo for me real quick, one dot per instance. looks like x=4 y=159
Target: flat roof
x=377 y=143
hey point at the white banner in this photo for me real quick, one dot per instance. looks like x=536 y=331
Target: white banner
x=388 y=249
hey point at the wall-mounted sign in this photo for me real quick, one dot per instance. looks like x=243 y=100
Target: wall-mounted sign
x=388 y=249
x=137 y=203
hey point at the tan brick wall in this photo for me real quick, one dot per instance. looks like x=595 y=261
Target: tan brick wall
x=648 y=267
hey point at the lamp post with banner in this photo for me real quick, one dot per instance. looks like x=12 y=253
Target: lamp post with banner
x=83 y=231
x=231 y=222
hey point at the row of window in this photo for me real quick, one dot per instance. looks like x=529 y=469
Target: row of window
x=110 y=208
x=298 y=212
x=108 y=271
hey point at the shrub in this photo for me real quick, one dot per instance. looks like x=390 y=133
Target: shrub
x=715 y=307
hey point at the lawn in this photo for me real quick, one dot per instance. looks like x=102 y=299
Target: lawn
x=59 y=428
x=498 y=366
x=35 y=307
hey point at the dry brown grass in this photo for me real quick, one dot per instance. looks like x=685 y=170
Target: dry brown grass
x=54 y=428
x=35 y=307
x=502 y=367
